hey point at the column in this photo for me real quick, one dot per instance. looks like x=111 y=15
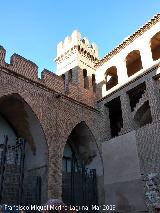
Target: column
x=128 y=122
x=154 y=98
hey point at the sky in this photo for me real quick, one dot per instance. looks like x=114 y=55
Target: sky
x=33 y=28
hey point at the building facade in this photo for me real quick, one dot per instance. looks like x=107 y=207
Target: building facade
x=103 y=112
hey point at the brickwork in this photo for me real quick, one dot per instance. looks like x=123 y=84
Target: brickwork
x=148 y=147
x=106 y=121
x=61 y=102
x=128 y=122
x=154 y=98
x=29 y=70
x=58 y=115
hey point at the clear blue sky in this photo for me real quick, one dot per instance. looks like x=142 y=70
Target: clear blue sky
x=32 y=28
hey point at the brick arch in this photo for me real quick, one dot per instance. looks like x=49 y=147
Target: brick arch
x=82 y=141
x=71 y=126
x=9 y=97
x=90 y=131
x=9 y=92
x=23 y=118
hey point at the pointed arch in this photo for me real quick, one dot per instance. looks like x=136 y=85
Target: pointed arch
x=84 y=148
x=27 y=125
x=16 y=110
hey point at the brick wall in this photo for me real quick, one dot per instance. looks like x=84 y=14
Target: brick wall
x=148 y=145
x=57 y=115
x=29 y=70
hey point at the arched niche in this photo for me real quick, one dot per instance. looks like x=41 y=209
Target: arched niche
x=70 y=74
x=81 y=145
x=85 y=79
x=17 y=119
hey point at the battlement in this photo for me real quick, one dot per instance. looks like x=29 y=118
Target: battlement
x=24 y=68
x=19 y=65
x=74 y=51
x=77 y=41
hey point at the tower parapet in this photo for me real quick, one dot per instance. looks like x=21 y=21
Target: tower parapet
x=76 y=51
x=76 y=60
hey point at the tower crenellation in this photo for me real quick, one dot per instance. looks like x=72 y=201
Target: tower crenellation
x=76 y=40
x=78 y=54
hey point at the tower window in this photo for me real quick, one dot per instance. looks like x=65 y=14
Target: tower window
x=84 y=73
x=70 y=75
x=93 y=79
x=94 y=82
x=85 y=78
x=63 y=76
x=83 y=41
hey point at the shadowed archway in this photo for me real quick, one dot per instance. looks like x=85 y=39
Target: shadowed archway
x=24 y=123
x=82 y=165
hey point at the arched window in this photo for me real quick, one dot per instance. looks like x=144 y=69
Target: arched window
x=85 y=78
x=94 y=82
x=83 y=40
x=111 y=77
x=133 y=62
x=155 y=46
x=63 y=76
x=93 y=79
x=70 y=75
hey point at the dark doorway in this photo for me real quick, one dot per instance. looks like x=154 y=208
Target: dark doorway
x=79 y=184
x=115 y=115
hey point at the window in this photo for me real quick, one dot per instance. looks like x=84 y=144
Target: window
x=63 y=76
x=70 y=75
x=94 y=82
x=155 y=46
x=111 y=77
x=115 y=116
x=133 y=62
x=85 y=78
